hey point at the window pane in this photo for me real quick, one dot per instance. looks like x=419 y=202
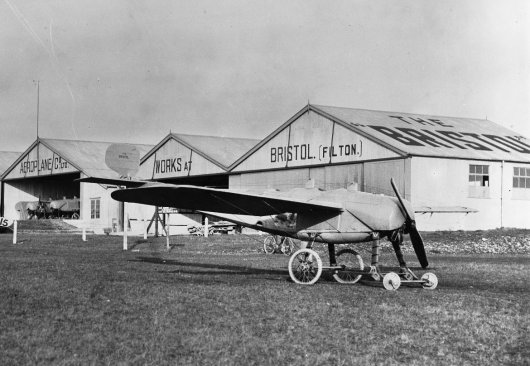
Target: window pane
x=472 y=169
x=527 y=182
x=527 y=172
x=515 y=171
x=515 y=182
x=471 y=178
x=485 y=169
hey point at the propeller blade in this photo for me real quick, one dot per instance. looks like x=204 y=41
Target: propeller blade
x=415 y=237
x=417 y=244
x=408 y=215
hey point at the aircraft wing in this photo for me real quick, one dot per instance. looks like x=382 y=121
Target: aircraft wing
x=221 y=200
x=444 y=209
x=113 y=182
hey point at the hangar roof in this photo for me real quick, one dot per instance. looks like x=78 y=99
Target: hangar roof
x=436 y=136
x=87 y=157
x=221 y=151
x=6 y=160
x=327 y=135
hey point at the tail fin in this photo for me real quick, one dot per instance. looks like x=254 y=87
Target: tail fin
x=124 y=159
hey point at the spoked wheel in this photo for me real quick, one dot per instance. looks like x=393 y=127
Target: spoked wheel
x=351 y=263
x=269 y=244
x=431 y=281
x=305 y=266
x=287 y=246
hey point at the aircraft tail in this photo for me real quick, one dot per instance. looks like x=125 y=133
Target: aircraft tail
x=124 y=159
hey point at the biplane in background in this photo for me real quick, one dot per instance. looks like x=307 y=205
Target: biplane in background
x=341 y=216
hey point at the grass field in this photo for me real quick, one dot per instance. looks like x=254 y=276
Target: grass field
x=222 y=301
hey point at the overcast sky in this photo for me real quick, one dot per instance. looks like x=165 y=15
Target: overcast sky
x=131 y=71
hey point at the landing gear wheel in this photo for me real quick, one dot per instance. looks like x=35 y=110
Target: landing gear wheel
x=350 y=261
x=391 y=281
x=75 y=216
x=305 y=267
x=431 y=281
x=287 y=246
x=269 y=244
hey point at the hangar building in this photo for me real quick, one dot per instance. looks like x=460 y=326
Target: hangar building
x=193 y=159
x=190 y=159
x=435 y=161
x=6 y=159
x=47 y=171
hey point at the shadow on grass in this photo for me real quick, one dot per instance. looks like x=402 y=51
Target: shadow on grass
x=225 y=269
x=217 y=268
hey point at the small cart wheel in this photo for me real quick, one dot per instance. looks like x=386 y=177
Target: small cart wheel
x=391 y=281
x=431 y=281
x=269 y=244
x=351 y=263
x=305 y=266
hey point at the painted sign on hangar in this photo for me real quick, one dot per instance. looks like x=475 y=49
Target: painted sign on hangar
x=424 y=135
x=41 y=161
x=313 y=140
x=174 y=159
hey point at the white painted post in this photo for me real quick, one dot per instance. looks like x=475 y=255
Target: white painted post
x=145 y=229
x=15 y=228
x=124 y=229
x=84 y=234
x=167 y=232
x=206 y=227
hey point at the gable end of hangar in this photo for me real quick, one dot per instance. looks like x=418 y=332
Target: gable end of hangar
x=312 y=137
x=39 y=159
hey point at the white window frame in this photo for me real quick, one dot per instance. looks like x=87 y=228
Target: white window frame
x=521 y=177
x=95 y=208
x=479 y=181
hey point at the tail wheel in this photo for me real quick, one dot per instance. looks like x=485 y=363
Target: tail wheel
x=305 y=267
x=269 y=244
x=351 y=263
x=287 y=246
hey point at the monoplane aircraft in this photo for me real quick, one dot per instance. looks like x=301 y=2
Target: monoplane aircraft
x=340 y=216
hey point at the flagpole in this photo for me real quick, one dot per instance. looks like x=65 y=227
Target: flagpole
x=38 y=101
